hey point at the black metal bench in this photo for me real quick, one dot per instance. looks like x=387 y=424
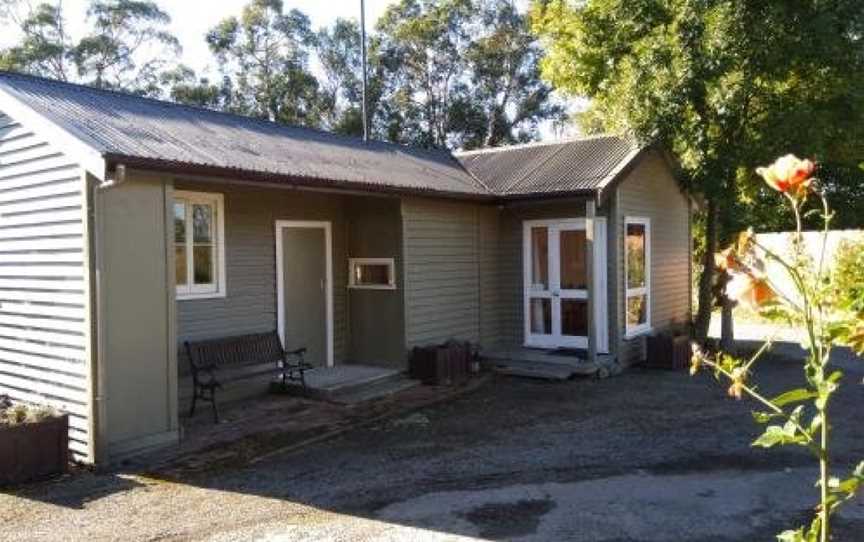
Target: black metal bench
x=218 y=361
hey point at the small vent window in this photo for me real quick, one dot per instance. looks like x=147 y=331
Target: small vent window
x=372 y=273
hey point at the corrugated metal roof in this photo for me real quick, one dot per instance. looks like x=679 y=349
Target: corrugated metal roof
x=124 y=125
x=546 y=168
x=143 y=132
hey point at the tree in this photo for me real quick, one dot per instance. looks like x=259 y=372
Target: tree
x=338 y=51
x=506 y=98
x=265 y=53
x=128 y=47
x=720 y=83
x=460 y=73
x=45 y=48
x=424 y=43
x=126 y=50
x=185 y=87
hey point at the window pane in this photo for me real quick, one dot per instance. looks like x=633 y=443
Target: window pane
x=372 y=274
x=540 y=258
x=635 y=246
x=574 y=317
x=573 y=276
x=202 y=223
x=180 y=265
x=636 y=310
x=203 y=264
x=179 y=222
x=541 y=316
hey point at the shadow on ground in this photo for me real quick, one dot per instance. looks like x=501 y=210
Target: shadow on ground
x=650 y=455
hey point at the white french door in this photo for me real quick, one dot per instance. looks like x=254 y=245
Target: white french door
x=556 y=283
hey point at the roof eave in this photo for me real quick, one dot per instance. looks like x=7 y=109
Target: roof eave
x=277 y=179
x=88 y=157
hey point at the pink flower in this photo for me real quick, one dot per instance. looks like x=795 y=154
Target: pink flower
x=789 y=174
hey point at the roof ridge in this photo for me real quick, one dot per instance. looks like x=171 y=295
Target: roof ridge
x=201 y=109
x=564 y=141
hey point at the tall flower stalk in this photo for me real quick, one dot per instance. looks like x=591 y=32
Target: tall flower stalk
x=797 y=417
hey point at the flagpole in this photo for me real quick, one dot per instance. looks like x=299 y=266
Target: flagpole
x=363 y=66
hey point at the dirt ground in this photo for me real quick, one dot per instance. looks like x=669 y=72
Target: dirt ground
x=646 y=456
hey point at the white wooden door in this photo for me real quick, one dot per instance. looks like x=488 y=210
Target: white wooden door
x=556 y=283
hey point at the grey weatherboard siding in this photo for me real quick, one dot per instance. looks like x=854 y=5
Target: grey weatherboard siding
x=649 y=190
x=442 y=271
x=250 y=246
x=44 y=279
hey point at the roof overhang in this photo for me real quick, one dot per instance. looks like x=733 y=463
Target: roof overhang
x=89 y=158
x=242 y=176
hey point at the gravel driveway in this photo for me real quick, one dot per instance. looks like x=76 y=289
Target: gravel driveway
x=647 y=456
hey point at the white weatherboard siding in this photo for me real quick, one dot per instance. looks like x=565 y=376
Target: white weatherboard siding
x=43 y=279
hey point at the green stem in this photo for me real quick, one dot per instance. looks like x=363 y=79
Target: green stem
x=755 y=395
x=825 y=530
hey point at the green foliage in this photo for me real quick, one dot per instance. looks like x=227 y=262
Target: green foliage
x=265 y=55
x=127 y=48
x=827 y=307
x=849 y=275
x=457 y=73
x=45 y=48
x=460 y=73
x=186 y=88
x=108 y=56
x=720 y=83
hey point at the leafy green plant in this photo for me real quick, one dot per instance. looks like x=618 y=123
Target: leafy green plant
x=849 y=275
x=21 y=413
x=825 y=305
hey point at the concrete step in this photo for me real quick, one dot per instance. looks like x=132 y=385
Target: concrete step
x=375 y=390
x=350 y=384
x=327 y=383
x=544 y=371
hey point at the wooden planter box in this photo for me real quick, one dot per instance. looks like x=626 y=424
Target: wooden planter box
x=668 y=351
x=34 y=451
x=443 y=365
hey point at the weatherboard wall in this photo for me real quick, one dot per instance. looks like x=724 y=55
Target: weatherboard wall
x=44 y=279
x=650 y=191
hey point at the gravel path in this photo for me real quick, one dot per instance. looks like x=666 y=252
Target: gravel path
x=650 y=455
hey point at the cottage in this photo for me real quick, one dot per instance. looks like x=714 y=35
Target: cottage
x=129 y=225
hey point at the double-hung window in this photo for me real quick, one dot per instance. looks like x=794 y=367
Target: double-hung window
x=199 y=245
x=637 y=275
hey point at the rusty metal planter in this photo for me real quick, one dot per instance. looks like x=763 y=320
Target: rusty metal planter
x=668 y=352
x=34 y=451
x=443 y=365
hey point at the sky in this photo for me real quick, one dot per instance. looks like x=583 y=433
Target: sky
x=191 y=19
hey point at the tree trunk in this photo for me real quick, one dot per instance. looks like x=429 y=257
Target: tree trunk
x=727 y=333
x=706 y=279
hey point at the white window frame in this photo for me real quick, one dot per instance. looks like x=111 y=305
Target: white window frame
x=391 y=273
x=640 y=329
x=218 y=288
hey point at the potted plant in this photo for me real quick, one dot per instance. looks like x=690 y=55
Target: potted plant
x=34 y=442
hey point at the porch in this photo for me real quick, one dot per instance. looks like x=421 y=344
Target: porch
x=322 y=269
x=549 y=364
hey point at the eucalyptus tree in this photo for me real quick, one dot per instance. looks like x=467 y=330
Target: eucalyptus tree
x=265 y=54
x=128 y=46
x=45 y=46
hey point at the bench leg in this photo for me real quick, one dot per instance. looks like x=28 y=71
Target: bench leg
x=194 y=400
x=213 y=402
